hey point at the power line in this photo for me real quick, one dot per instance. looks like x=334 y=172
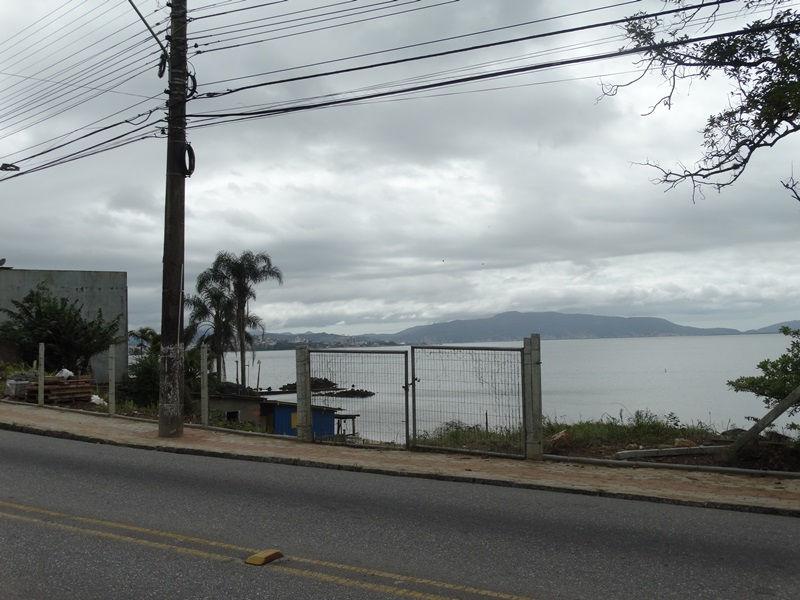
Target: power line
x=426 y=43
x=37 y=21
x=279 y=37
x=383 y=3
x=87 y=126
x=228 y=12
x=88 y=75
x=63 y=110
x=495 y=74
x=286 y=14
x=71 y=85
x=38 y=44
x=63 y=59
x=442 y=53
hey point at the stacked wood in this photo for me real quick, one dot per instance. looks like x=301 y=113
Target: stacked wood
x=57 y=390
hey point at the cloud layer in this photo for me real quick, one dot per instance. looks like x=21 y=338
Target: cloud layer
x=392 y=214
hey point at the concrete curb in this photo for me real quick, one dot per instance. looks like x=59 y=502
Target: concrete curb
x=642 y=464
x=398 y=473
x=600 y=462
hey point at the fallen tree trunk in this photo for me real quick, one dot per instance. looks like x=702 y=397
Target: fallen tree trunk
x=749 y=436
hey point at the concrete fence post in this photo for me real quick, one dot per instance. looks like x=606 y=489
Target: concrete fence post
x=204 y=385
x=112 y=380
x=304 y=429
x=532 y=396
x=40 y=378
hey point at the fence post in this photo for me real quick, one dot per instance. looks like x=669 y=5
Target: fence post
x=112 y=380
x=204 y=385
x=532 y=396
x=40 y=378
x=304 y=430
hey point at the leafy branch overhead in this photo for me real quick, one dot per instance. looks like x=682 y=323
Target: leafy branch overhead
x=762 y=64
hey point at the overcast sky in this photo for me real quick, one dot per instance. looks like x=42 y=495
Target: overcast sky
x=392 y=214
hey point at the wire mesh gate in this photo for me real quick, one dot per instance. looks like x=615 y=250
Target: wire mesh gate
x=467 y=399
x=368 y=389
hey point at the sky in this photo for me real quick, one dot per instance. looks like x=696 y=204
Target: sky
x=388 y=214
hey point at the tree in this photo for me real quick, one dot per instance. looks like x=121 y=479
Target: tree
x=239 y=275
x=762 y=64
x=778 y=377
x=70 y=339
x=212 y=314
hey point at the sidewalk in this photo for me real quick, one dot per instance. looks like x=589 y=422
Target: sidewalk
x=739 y=492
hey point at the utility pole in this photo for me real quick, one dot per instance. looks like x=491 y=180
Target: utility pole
x=170 y=401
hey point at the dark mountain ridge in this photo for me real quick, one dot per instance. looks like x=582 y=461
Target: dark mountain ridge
x=512 y=326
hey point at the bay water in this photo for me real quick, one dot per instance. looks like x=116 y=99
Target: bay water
x=594 y=378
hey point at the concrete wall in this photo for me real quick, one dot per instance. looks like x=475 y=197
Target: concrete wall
x=104 y=290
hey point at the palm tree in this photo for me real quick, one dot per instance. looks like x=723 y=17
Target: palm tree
x=212 y=316
x=240 y=275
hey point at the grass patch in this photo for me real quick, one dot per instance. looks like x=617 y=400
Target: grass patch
x=642 y=428
x=458 y=435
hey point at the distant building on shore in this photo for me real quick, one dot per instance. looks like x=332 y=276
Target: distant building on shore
x=103 y=290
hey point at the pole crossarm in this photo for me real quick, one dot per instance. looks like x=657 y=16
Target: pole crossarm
x=150 y=29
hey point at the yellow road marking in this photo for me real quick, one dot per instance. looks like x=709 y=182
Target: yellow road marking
x=397 y=577
x=120 y=538
x=373 y=587
x=213 y=543
x=116 y=525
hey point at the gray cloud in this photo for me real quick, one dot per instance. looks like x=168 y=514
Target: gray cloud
x=391 y=214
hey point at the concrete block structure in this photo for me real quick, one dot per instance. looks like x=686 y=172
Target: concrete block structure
x=104 y=290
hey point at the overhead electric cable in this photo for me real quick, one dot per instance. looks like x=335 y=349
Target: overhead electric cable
x=215 y=5
x=317 y=29
x=495 y=74
x=46 y=25
x=441 y=53
x=82 y=77
x=40 y=47
x=36 y=22
x=426 y=43
x=81 y=63
x=150 y=29
x=384 y=3
x=271 y=17
x=72 y=85
x=62 y=110
x=227 y=12
x=84 y=127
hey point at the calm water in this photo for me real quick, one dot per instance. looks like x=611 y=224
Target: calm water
x=587 y=379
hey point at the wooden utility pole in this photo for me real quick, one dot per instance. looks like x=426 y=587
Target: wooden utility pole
x=170 y=405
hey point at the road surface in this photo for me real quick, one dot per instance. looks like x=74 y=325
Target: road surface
x=82 y=520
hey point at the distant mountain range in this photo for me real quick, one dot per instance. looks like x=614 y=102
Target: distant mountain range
x=510 y=326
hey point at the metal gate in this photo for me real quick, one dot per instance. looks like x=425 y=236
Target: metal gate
x=468 y=399
x=363 y=394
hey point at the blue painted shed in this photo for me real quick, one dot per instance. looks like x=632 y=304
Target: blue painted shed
x=281 y=418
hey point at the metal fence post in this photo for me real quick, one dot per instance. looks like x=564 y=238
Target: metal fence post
x=532 y=396
x=305 y=431
x=112 y=376
x=40 y=387
x=204 y=385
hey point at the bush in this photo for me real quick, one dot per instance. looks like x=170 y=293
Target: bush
x=70 y=339
x=779 y=377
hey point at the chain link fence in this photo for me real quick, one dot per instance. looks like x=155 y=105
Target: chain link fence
x=468 y=399
x=368 y=387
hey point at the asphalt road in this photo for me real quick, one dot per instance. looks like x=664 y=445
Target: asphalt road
x=82 y=520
